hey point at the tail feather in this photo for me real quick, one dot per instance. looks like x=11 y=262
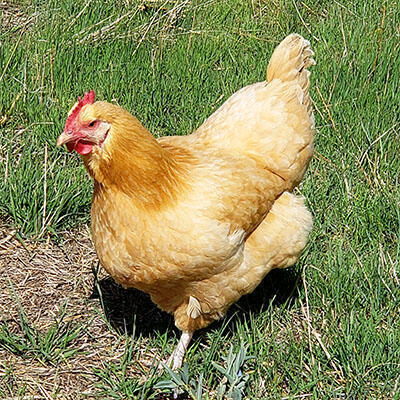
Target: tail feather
x=290 y=61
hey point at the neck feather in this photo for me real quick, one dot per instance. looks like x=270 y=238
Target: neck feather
x=132 y=161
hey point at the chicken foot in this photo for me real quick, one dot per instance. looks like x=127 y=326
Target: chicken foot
x=176 y=358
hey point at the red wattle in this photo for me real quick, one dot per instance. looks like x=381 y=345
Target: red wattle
x=83 y=148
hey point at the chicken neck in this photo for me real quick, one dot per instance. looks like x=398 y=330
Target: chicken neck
x=134 y=162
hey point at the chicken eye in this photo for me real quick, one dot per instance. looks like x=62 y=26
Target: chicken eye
x=92 y=124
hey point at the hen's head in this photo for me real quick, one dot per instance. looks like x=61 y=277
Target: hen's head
x=85 y=126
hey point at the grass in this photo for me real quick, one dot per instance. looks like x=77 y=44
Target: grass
x=327 y=328
x=52 y=346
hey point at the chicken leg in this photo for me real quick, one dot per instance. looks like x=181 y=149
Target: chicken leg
x=176 y=358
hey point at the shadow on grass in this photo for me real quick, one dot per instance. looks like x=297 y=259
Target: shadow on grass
x=130 y=310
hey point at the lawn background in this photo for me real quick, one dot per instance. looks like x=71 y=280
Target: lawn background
x=335 y=332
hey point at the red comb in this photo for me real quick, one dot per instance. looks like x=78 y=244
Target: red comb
x=88 y=98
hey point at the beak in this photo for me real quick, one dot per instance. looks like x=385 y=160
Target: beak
x=65 y=137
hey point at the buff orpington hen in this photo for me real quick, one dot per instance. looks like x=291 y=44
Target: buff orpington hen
x=197 y=221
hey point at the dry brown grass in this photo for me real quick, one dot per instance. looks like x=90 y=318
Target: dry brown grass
x=44 y=277
x=12 y=16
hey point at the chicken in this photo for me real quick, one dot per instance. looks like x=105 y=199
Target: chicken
x=197 y=221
